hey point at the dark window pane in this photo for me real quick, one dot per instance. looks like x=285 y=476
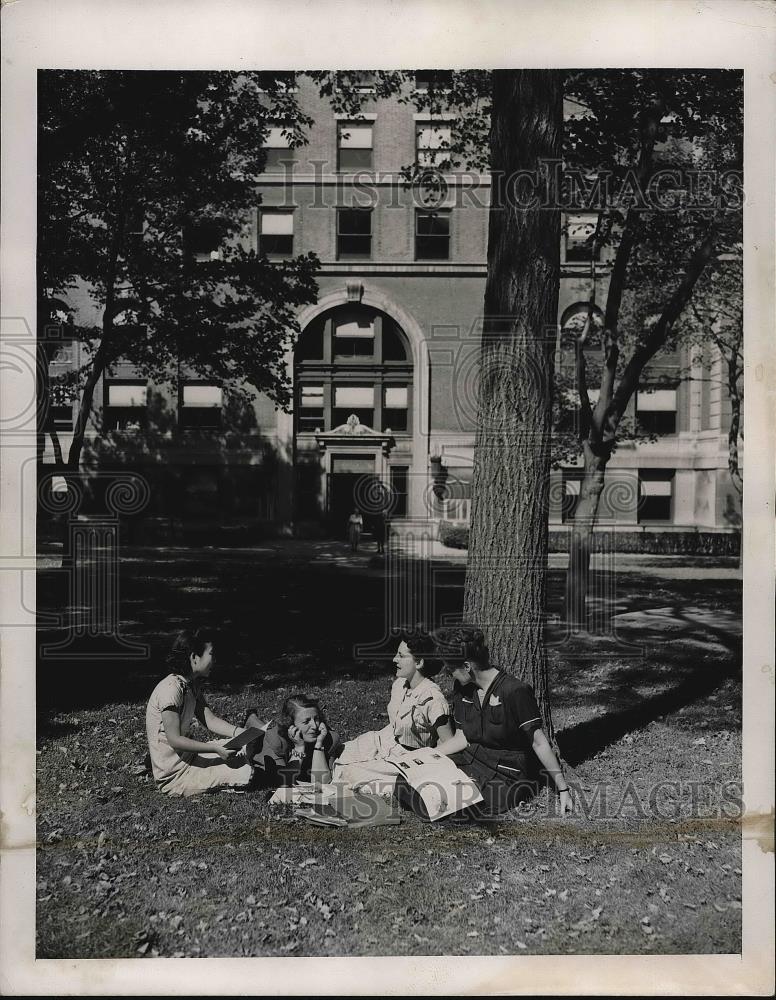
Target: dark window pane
x=277 y=245
x=124 y=418
x=395 y=419
x=310 y=419
x=201 y=417
x=354 y=222
x=273 y=80
x=60 y=418
x=432 y=236
x=354 y=229
x=310 y=346
x=655 y=495
x=399 y=490
x=353 y=347
x=355 y=159
x=393 y=346
x=657 y=421
x=436 y=79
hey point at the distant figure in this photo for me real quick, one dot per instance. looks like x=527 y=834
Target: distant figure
x=355 y=527
x=381 y=530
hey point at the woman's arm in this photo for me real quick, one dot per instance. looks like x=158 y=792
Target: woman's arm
x=454 y=744
x=546 y=755
x=444 y=733
x=319 y=767
x=172 y=729
x=219 y=726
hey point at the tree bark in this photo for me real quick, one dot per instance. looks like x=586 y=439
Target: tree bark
x=506 y=574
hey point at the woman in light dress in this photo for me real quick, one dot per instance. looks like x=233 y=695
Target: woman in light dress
x=418 y=716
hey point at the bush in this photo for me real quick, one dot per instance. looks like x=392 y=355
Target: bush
x=678 y=543
x=454 y=536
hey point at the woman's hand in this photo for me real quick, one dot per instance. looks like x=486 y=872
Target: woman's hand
x=566 y=802
x=323 y=732
x=295 y=736
x=222 y=752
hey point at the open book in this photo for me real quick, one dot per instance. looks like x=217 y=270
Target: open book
x=444 y=788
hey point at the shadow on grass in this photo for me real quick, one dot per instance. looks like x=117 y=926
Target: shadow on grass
x=586 y=739
x=295 y=617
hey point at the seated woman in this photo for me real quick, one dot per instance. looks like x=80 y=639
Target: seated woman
x=498 y=730
x=299 y=746
x=418 y=716
x=182 y=766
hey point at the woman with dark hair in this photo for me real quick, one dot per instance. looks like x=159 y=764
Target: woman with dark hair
x=183 y=766
x=498 y=729
x=418 y=716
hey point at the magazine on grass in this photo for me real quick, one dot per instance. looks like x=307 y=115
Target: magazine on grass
x=443 y=787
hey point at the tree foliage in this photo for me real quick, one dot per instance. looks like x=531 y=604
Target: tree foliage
x=136 y=170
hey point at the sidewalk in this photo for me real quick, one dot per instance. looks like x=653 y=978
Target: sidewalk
x=301 y=551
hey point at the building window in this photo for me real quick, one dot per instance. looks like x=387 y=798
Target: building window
x=205 y=239
x=432 y=235
x=438 y=80
x=125 y=406
x=311 y=408
x=353 y=359
x=354 y=233
x=359 y=81
x=201 y=405
x=656 y=488
x=277 y=146
x=354 y=335
x=358 y=399
x=395 y=403
x=354 y=145
x=276 y=233
x=580 y=238
x=432 y=144
x=275 y=81
x=60 y=410
x=399 y=478
x=656 y=411
x=572 y=486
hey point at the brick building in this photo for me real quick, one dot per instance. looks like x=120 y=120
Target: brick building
x=384 y=373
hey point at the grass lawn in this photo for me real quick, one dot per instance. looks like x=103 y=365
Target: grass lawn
x=124 y=871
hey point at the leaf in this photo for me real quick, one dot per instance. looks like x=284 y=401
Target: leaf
x=521 y=944
x=307 y=862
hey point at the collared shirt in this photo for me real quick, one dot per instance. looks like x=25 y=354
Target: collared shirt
x=414 y=714
x=506 y=719
x=176 y=694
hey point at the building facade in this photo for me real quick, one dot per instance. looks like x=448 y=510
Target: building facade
x=384 y=373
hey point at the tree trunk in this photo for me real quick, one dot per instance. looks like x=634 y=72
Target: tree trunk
x=506 y=573
x=580 y=543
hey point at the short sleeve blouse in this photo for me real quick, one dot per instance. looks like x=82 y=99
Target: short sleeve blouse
x=176 y=694
x=416 y=713
x=506 y=719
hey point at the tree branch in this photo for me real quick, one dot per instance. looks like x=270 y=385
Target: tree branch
x=660 y=331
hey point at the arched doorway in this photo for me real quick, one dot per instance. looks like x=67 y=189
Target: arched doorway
x=353 y=416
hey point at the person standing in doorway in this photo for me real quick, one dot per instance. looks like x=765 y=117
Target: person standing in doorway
x=355 y=527
x=380 y=531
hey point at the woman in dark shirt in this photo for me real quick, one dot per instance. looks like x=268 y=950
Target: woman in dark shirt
x=498 y=734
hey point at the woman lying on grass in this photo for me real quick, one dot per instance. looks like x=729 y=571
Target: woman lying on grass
x=498 y=730
x=182 y=766
x=418 y=716
x=297 y=747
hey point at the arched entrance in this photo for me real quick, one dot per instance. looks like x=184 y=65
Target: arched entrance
x=353 y=416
